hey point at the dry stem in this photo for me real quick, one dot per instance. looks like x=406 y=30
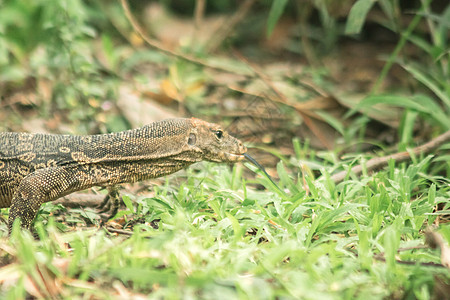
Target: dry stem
x=379 y=162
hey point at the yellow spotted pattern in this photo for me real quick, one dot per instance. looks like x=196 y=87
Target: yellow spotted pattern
x=36 y=168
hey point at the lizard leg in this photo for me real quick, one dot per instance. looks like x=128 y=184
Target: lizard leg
x=36 y=188
x=105 y=205
x=113 y=193
x=111 y=203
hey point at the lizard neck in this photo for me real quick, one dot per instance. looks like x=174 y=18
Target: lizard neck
x=111 y=172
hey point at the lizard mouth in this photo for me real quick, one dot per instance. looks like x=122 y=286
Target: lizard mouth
x=224 y=157
x=234 y=157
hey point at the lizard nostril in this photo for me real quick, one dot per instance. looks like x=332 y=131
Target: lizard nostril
x=242 y=148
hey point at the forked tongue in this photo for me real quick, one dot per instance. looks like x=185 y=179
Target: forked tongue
x=261 y=168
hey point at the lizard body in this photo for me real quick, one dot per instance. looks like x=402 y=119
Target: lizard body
x=37 y=168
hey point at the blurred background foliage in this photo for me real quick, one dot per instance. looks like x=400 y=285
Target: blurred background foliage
x=328 y=68
x=314 y=86
x=342 y=75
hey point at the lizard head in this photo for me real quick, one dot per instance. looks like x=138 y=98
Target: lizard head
x=214 y=143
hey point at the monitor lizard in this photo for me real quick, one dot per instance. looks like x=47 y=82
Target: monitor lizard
x=37 y=168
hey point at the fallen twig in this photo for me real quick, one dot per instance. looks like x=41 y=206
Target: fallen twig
x=381 y=257
x=198 y=17
x=406 y=262
x=157 y=45
x=229 y=24
x=78 y=199
x=379 y=162
x=119 y=231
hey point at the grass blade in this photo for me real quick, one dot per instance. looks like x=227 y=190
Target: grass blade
x=262 y=169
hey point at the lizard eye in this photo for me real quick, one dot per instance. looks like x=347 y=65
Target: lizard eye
x=218 y=133
x=192 y=139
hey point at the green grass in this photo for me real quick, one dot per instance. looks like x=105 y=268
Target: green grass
x=210 y=233
x=218 y=237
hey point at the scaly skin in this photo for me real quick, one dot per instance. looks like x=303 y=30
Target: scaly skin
x=37 y=168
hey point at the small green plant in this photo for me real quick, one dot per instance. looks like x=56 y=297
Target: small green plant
x=51 y=42
x=429 y=100
x=214 y=233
